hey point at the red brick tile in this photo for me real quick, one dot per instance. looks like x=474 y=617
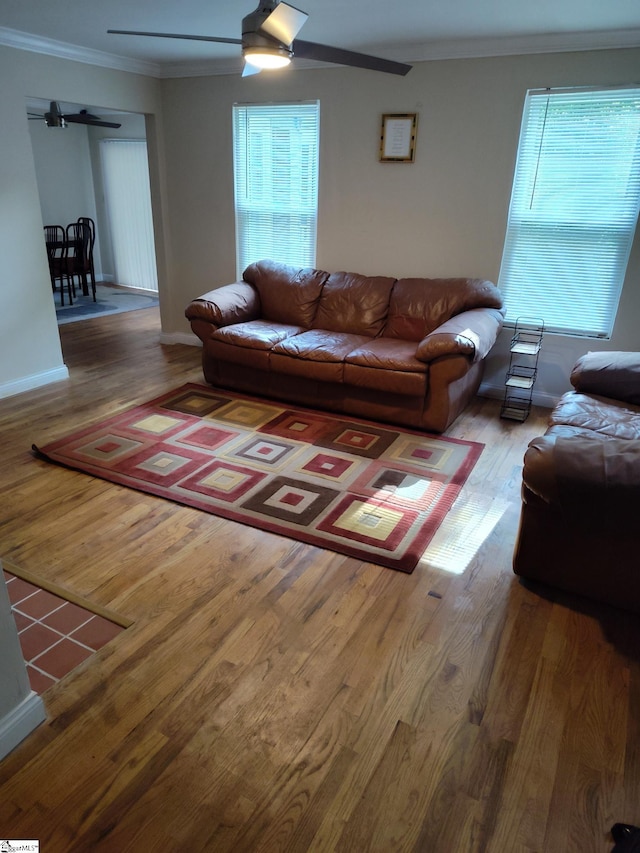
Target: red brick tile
x=97 y=632
x=39 y=681
x=62 y=658
x=67 y=618
x=39 y=604
x=22 y=621
x=37 y=639
x=19 y=589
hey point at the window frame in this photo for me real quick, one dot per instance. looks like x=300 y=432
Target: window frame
x=554 y=149
x=280 y=207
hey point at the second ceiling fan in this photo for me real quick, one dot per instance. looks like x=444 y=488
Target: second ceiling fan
x=269 y=41
x=54 y=117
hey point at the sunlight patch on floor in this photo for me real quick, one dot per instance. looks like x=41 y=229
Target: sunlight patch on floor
x=468 y=524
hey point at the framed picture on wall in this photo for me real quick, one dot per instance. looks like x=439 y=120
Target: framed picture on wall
x=398 y=137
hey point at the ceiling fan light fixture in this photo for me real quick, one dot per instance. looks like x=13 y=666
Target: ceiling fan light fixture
x=270 y=38
x=267 y=58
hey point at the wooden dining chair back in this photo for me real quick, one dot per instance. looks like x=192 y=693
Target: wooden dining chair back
x=53 y=233
x=78 y=239
x=56 y=243
x=86 y=220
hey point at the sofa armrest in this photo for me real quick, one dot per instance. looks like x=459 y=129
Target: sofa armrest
x=609 y=374
x=589 y=480
x=471 y=333
x=232 y=303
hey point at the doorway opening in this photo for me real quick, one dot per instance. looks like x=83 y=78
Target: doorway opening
x=76 y=180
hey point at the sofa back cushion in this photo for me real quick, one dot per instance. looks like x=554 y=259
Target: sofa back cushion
x=287 y=293
x=353 y=303
x=419 y=305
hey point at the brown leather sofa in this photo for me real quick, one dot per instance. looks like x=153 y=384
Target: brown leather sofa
x=408 y=351
x=580 y=519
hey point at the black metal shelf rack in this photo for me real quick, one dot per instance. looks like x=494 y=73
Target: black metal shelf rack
x=523 y=368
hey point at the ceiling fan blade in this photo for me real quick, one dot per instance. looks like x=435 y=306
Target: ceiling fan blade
x=80 y=119
x=85 y=117
x=284 y=23
x=175 y=36
x=325 y=53
x=249 y=70
x=90 y=121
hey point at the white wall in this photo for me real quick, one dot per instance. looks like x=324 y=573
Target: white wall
x=30 y=352
x=63 y=172
x=444 y=215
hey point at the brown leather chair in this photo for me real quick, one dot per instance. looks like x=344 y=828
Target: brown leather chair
x=579 y=526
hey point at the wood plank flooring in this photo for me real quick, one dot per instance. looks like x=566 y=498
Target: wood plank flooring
x=271 y=696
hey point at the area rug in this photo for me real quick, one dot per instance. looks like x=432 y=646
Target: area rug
x=109 y=300
x=366 y=490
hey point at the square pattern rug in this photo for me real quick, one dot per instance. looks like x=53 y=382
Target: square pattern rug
x=368 y=490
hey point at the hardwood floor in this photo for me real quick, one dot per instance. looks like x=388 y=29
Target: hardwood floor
x=271 y=696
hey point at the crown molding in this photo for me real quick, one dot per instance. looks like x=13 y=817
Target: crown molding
x=440 y=50
x=63 y=50
x=517 y=45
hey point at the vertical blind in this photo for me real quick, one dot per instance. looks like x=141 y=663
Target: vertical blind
x=125 y=173
x=276 y=182
x=574 y=208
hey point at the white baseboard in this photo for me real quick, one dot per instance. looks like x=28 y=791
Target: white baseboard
x=20 y=722
x=36 y=380
x=180 y=338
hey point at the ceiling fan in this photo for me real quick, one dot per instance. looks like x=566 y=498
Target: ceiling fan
x=269 y=41
x=56 y=118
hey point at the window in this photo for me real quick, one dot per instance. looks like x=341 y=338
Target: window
x=574 y=208
x=276 y=182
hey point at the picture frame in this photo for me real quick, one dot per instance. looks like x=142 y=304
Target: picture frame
x=398 y=137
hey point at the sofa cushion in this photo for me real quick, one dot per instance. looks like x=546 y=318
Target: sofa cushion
x=419 y=305
x=287 y=293
x=257 y=334
x=316 y=354
x=387 y=364
x=250 y=343
x=355 y=304
x=598 y=414
x=387 y=354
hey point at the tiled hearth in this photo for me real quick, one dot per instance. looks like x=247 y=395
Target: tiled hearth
x=55 y=634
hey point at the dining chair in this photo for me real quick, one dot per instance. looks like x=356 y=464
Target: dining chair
x=86 y=220
x=56 y=243
x=78 y=239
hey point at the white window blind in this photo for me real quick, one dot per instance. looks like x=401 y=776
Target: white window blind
x=125 y=173
x=574 y=208
x=276 y=182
